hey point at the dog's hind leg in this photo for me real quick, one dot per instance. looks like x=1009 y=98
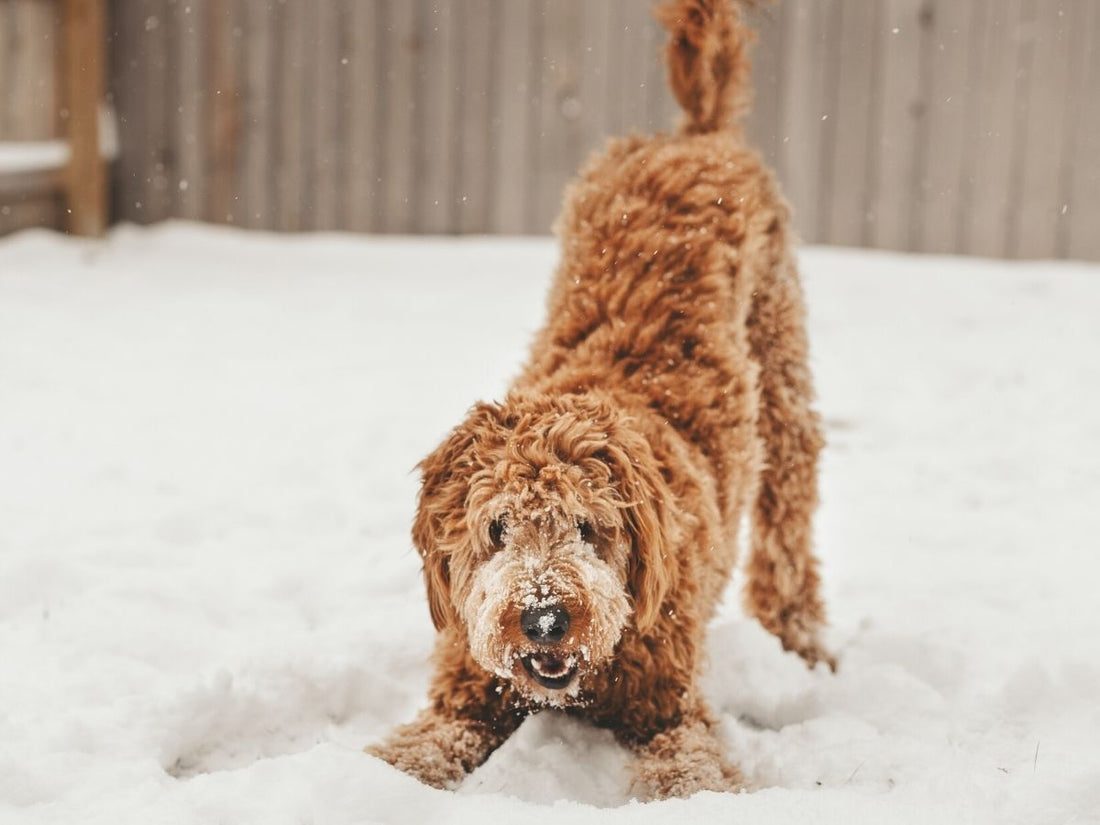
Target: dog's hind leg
x=783 y=586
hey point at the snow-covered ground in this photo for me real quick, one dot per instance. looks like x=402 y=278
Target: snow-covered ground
x=209 y=602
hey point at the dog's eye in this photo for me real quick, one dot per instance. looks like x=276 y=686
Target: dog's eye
x=586 y=531
x=496 y=532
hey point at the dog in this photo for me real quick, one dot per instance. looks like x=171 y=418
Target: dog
x=577 y=536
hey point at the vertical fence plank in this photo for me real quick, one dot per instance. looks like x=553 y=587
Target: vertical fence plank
x=86 y=176
x=610 y=49
x=918 y=182
x=436 y=118
x=512 y=122
x=8 y=220
x=158 y=168
x=223 y=111
x=558 y=145
x=792 y=167
x=972 y=126
x=593 y=84
x=1083 y=236
x=1040 y=212
x=805 y=109
x=637 y=35
x=8 y=55
x=845 y=218
x=1077 y=86
x=1025 y=68
x=950 y=105
x=898 y=109
x=532 y=119
x=986 y=221
x=341 y=170
x=653 y=39
x=188 y=137
x=173 y=102
x=478 y=76
x=665 y=109
x=127 y=61
x=29 y=98
x=287 y=135
x=307 y=33
x=829 y=32
x=325 y=107
x=364 y=122
x=255 y=48
x=29 y=86
x=403 y=53
x=623 y=52
x=763 y=122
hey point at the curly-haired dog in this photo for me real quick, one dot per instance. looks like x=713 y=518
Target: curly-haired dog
x=577 y=536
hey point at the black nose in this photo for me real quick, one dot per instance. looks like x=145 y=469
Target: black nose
x=544 y=625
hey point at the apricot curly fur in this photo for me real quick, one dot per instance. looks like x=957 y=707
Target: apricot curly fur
x=667 y=397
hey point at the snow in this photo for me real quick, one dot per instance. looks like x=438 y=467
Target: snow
x=32 y=156
x=20 y=156
x=209 y=601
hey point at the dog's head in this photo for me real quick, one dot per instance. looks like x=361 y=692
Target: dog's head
x=543 y=525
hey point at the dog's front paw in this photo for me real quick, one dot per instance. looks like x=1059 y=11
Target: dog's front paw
x=683 y=775
x=683 y=761
x=426 y=764
x=435 y=750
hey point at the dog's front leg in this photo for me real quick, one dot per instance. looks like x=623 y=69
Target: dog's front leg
x=682 y=759
x=470 y=716
x=438 y=747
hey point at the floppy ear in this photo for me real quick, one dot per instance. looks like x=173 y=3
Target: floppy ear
x=651 y=570
x=439 y=528
x=429 y=526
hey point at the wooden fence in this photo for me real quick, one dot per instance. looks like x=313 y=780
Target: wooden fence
x=968 y=126
x=52 y=160
x=30 y=99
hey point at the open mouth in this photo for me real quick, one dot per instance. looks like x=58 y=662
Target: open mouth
x=552 y=672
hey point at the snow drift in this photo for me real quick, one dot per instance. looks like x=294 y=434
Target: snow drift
x=209 y=602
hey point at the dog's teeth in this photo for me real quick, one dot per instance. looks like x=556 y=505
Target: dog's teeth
x=557 y=669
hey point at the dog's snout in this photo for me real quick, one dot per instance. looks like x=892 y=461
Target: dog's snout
x=545 y=625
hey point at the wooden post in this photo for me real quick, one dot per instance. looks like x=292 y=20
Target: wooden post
x=86 y=178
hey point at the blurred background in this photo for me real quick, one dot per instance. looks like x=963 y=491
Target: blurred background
x=959 y=126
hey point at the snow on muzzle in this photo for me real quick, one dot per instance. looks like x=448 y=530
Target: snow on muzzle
x=555 y=613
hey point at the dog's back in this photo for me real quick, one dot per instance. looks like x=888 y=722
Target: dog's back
x=678 y=292
x=663 y=239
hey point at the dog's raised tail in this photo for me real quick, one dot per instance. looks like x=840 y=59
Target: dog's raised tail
x=708 y=61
